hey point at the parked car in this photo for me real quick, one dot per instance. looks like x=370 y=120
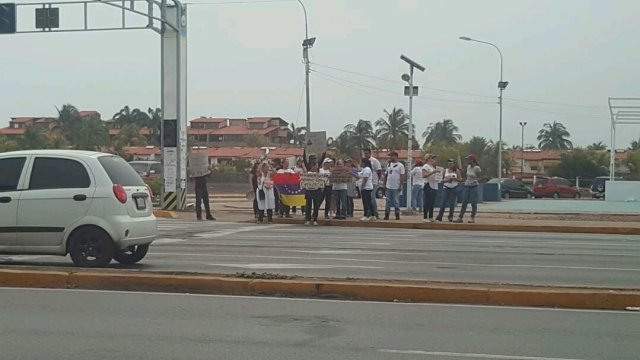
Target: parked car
x=512 y=188
x=555 y=187
x=598 y=186
x=147 y=169
x=90 y=205
x=380 y=191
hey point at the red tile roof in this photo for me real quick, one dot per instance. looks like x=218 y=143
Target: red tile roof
x=231 y=130
x=209 y=120
x=225 y=152
x=9 y=131
x=89 y=113
x=142 y=150
x=143 y=131
x=537 y=155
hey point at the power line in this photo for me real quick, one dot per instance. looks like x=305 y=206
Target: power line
x=459 y=92
x=555 y=112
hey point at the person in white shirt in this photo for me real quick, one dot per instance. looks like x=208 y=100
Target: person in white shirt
x=417 y=184
x=471 y=189
x=393 y=180
x=328 y=189
x=376 y=170
x=450 y=185
x=429 y=173
x=366 y=176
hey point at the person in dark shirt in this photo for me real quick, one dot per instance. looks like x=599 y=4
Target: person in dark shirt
x=202 y=195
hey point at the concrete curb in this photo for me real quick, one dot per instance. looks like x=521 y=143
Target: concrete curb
x=391 y=291
x=165 y=214
x=392 y=224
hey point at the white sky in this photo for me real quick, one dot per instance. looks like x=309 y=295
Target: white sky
x=246 y=60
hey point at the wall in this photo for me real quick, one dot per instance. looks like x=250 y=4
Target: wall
x=622 y=191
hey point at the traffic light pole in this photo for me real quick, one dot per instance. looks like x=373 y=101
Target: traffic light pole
x=172 y=27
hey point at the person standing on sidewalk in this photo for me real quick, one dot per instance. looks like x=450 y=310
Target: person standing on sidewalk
x=366 y=176
x=376 y=170
x=299 y=169
x=417 y=185
x=253 y=182
x=328 y=189
x=340 y=195
x=471 y=189
x=394 y=178
x=313 y=199
x=450 y=183
x=352 y=191
x=202 y=197
x=429 y=172
x=265 y=193
x=284 y=209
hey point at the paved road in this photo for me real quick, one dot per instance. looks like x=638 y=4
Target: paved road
x=517 y=258
x=71 y=324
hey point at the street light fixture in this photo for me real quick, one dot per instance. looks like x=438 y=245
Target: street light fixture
x=410 y=91
x=522 y=124
x=501 y=85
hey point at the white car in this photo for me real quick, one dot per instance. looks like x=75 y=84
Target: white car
x=92 y=206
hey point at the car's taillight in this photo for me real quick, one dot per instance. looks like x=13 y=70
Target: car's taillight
x=120 y=193
x=150 y=191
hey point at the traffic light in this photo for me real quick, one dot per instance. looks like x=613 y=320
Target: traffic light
x=8 y=18
x=170 y=133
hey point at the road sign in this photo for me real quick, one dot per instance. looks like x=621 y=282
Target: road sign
x=406 y=91
x=47 y=18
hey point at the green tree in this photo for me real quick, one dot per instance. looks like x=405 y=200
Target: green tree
x=359 y=135
x=32 y=139
x=345 y=147
x=7 y=145
x=635 y=145
x=154 y=124
x=92 y=134
x=392 y=130
x=597 y=146
x=298 y=134
x=579 y=163
x=444 y=131
x=126 y=116
x=67 y=122
x=633 y=161
x=129 y=135
x=554 y=136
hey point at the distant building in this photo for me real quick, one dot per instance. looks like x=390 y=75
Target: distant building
x=220 y=132
x=538 y=162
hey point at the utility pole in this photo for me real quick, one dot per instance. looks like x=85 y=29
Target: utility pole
x=410 y=91
x=307 y=44
x=522 y=124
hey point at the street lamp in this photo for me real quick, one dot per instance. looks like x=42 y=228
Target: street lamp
x=307 y=44
x=501 y=85
x=522 y=124
x=410 y=91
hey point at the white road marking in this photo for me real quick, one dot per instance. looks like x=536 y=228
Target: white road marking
x=467 y=355
x=292 y=266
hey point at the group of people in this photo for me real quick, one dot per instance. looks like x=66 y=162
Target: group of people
x=364 y=179
x=426 y=178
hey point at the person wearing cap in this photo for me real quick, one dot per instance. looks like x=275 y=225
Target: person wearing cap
x=417 y=185
x=328 y=189
x=393 y=180
x=471 y=189
x=450 y=185
x=429 y=172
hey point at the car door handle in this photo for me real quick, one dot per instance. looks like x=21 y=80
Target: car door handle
x=5 y=200
x=80 y=197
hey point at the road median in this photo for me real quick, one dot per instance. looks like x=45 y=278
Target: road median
x=347 y=289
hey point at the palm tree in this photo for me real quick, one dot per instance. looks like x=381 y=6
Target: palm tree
x=393 y=130
x=126 y=116
x=479 y=146
x=32 y=139
x=298 y=134
x=346 y=147
x=597 y=146
x=359 y=135
x=154 y=125
x=67 y=122
x=129 y=135
x=91 y=135
x=444 y=132
x=635 y=145
x=554 y=137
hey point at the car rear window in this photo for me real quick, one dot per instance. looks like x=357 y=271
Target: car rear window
x=120 y=172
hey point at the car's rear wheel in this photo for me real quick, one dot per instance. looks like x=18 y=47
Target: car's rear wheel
x=91 y=247
x=506 y=195
x=556 y=195
x=577 y=196
x=530 y=196
x=132 y=254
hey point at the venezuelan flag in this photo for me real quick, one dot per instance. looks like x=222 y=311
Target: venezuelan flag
x=288 y=185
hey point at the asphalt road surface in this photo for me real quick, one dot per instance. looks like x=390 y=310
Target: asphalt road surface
x=518 y=258
x=73 y=324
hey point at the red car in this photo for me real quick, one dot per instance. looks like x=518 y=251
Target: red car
x=554 y=187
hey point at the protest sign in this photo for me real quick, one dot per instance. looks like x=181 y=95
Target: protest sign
x=199 y=164
x=314 y=181
x=341 y=175
x=439 y=173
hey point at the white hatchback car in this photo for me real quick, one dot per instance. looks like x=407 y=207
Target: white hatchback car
x=92 y=206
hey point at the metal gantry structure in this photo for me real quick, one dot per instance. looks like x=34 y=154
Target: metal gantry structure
x=624 y=111
x=167 y=18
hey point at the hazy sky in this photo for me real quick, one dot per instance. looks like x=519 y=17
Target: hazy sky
x=245 y=59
